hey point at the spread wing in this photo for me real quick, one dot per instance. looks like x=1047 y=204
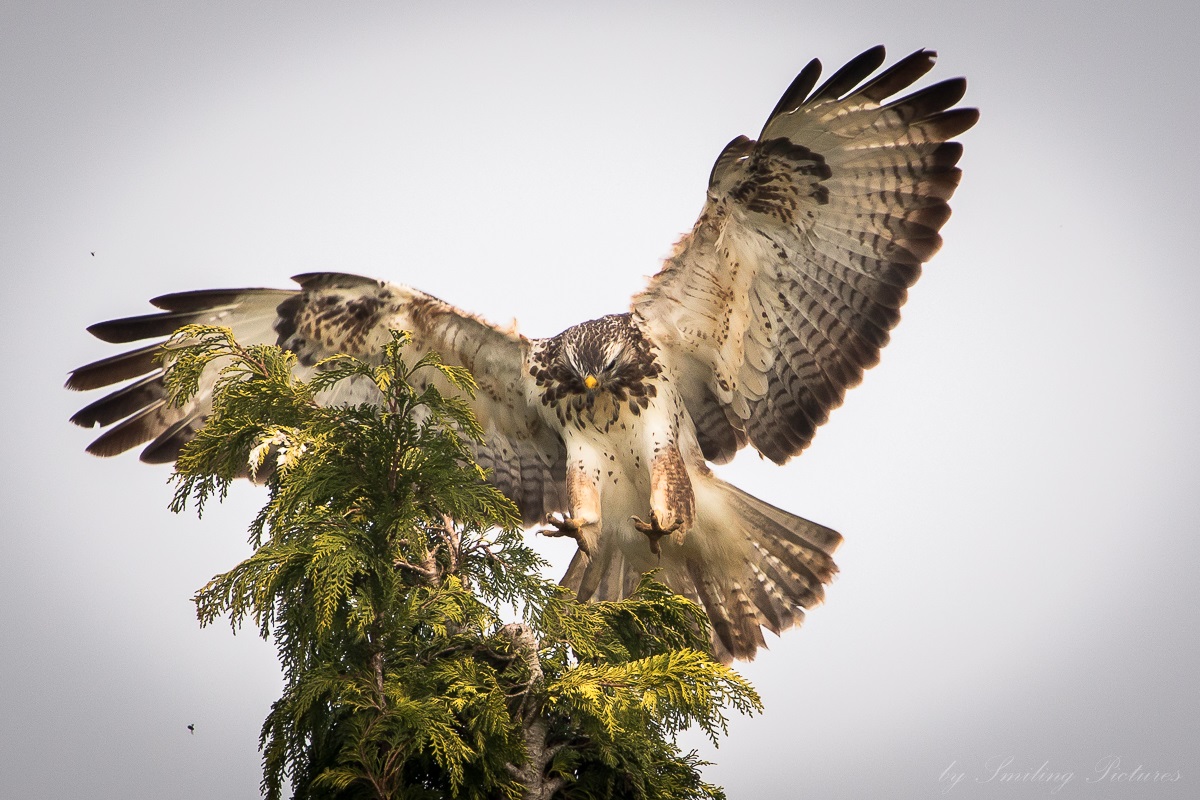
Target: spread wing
x=786 y=289
x=329 y=314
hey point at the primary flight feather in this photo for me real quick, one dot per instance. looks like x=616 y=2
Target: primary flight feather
x=760 y=320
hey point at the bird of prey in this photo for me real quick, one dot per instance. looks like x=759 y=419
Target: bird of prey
x=758 y=322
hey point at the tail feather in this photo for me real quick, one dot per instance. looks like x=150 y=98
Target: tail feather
x=725 y=628
x=800 y=586
x=585 y=573
x=818 y=540
x=776 y=616
x=751 y=620
x=757 y=566
x=603 y=576
x=749 y=564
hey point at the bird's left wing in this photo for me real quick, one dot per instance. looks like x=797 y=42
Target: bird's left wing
x=331 y=313
x=772 y=307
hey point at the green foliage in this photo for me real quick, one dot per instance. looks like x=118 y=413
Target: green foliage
x=381 y=559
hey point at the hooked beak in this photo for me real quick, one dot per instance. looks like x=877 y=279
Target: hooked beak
x=591 y=382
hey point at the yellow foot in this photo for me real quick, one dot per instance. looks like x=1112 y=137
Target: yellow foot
x=655 y=531
x=565 y=525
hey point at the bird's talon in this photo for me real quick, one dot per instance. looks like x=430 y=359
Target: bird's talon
x=654 y=530
x=562 y=525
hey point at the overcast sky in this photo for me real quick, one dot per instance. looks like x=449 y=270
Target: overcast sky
x=1017 y=482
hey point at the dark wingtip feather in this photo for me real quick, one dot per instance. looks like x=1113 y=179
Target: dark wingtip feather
x=113 y=369
x=798 y=91
x=855 y=71
x=956 y=121
x=933 y=99
x=146 y=326
x=121 y=403
x=137 y=430
x=206 y=299
x=900 y=75
x=166 y=447
x=333 y=280
x=737 y=148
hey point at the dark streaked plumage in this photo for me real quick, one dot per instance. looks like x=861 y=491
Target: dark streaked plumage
x=763 y=316
x=616 y=356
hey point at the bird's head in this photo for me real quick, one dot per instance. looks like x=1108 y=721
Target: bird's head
x=593 y=362
x=604 y=355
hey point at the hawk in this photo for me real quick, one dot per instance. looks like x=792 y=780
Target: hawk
x=758 y=322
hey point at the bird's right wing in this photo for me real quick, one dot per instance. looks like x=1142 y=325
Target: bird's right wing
x=331 y=313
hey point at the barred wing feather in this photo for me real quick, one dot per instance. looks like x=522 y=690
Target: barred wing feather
x=331 y=313
x=786 y=289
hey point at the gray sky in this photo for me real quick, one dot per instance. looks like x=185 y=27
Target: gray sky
x=1016 y=482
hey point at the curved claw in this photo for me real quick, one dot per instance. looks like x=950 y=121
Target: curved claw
x=655 y=531
x=563 y=525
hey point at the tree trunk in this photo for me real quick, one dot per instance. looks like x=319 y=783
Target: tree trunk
x=535 y=729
